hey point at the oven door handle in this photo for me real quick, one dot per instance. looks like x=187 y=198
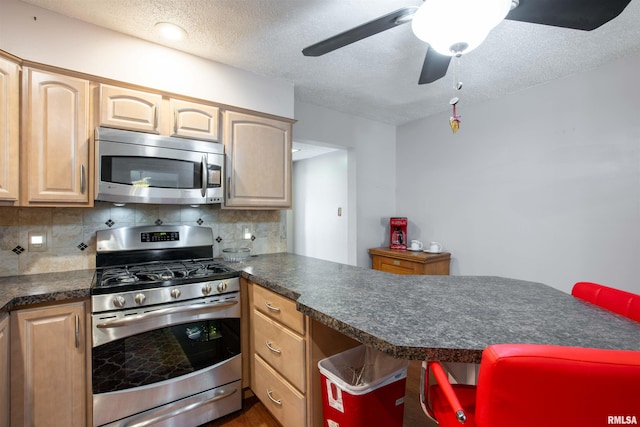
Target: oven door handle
x=193 y=308
x=151 y=420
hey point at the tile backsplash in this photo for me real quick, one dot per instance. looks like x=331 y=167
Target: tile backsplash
x=71 y=232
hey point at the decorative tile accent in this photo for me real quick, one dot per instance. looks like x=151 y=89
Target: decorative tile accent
x=18 y=250
x=218 y=239
x=109 y=223
x=200 y=221
x=82 y=246
x=158 y=221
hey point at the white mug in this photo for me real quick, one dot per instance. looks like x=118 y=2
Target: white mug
x=416 y=245
x=435 y=247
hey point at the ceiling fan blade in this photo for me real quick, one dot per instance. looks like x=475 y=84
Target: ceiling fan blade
x=576 y=14
x=434 y=68
x=386 y=22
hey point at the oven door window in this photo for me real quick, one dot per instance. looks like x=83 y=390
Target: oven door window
x=151 y=172
x=163 y=354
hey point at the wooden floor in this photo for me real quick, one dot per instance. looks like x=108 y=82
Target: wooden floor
x=254 y=414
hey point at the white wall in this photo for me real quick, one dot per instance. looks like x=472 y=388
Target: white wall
x=319 y=189
x=60 y=41
x=541 y=185
x=371 y=153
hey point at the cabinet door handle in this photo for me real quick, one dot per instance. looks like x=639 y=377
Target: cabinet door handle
x=83 y=179
x=273 y=349
x=156 y=113
x=272 y=308
x=276 y=401
x=228 y=188
x=77 y=331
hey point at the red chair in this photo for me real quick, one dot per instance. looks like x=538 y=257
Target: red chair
x=528 y=385
x=621 y=302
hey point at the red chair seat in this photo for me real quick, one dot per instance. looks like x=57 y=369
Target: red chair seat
x=528 y=385
x=443 y=412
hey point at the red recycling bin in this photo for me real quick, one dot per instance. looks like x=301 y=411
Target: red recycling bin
x=363 y=387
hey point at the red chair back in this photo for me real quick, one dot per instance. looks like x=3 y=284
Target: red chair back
x=616 y=300
x=528 y=385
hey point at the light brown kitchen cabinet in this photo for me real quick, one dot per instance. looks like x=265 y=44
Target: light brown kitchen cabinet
x=4 y=371
x=129 y=109
x=138 y=110
x=258 y=153
x=401 y=261
x=278 y=356
x=194 y=120
x=285 y=348
x=9 y=131
x=48 y=366
x=56 y=166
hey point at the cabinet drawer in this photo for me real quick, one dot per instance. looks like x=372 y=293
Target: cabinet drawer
x=397 y=266
x=279 y=308
x=284 y=402
x=281 y=348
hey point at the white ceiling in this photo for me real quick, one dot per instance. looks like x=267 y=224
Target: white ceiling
x=375 y=78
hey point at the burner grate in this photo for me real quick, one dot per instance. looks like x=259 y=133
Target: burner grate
x=157 y=272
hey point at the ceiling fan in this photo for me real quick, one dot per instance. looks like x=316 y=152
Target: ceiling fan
x=452 y=19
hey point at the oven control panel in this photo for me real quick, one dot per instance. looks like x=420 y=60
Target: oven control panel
x=159 y=236
x=162 y=295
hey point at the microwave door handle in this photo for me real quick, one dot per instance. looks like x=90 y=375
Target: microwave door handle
x=205 y=173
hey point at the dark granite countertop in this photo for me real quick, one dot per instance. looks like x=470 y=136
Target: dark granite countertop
x=17 y=291
x=451 y=318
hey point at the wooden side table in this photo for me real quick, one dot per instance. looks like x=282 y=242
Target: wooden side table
x=401 y=261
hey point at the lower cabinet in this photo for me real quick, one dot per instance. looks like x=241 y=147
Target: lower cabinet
x=4 y=370
x=285 y=348
x=286 y=403
x=48 y=366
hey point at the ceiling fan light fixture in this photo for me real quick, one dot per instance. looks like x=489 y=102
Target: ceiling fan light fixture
x=171 y=31
x=447 y=25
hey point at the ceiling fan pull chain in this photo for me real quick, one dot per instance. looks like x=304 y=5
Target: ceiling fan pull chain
x=454 y=120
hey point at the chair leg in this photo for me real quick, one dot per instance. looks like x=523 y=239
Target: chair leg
x=424 y=384
x=447 y=389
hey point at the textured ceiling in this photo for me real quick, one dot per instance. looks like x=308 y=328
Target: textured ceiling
x=375 y=78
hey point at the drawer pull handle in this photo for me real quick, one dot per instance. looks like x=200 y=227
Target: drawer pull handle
x=270 y=347
x=272 y=308
x=396 y=262
x=276 y=401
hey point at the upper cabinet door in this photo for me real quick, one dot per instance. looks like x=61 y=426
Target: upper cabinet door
x=56 y=149
x=193 y=120
x=258 y=162
x=129 y=109
x=9 y=131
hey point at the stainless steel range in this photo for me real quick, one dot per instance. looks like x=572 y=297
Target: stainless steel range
x=166 y=329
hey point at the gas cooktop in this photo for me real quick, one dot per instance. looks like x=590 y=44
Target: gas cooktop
x=158 y=274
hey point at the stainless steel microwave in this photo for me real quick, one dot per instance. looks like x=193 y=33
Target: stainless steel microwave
x=135 y=167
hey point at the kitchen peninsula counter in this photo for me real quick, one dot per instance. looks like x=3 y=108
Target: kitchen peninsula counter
x=450 y=318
